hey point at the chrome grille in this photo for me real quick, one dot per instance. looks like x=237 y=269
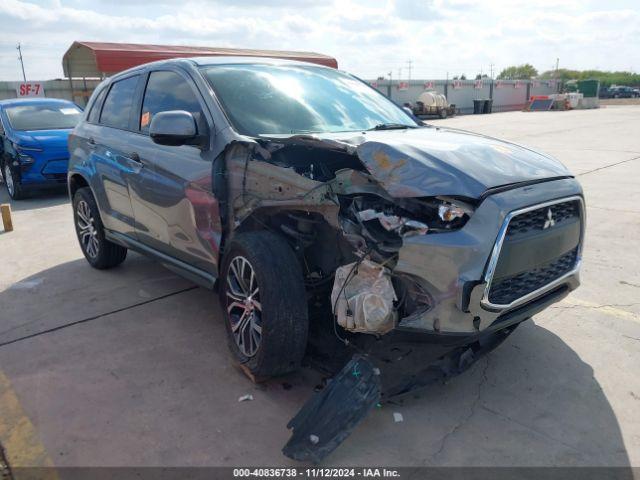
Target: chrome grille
x=509 y=289
x=551 y=231
x=536 y=219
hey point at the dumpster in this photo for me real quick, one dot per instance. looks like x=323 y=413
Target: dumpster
x=488 y=105
x=478 y=106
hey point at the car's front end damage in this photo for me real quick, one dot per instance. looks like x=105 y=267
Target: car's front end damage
x=422 y=250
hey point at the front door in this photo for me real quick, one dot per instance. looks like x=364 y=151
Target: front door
x=174 y=206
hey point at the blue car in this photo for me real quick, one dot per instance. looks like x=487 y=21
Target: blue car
x=33 y=143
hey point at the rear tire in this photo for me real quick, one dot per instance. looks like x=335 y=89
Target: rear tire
x=99 y=252
x=264 y=303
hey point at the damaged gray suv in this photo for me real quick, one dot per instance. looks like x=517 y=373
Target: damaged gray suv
x=339 y=230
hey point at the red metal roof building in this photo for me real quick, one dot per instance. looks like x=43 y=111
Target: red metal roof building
x=100 y=59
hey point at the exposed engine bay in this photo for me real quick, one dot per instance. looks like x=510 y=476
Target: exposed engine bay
x=346 y=229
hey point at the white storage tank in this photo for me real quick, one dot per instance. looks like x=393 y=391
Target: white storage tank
x=433 y=99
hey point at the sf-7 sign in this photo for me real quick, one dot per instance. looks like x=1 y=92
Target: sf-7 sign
x=30 y=89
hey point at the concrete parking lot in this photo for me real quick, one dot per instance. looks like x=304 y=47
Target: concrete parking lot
x=130 y=366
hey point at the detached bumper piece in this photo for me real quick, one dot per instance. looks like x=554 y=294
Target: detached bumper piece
x=328 y=418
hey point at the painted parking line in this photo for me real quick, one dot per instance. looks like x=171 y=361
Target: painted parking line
x=18 y=436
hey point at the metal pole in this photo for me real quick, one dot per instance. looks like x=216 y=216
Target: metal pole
x=446 y=87
x=85 y=95
x=73 y=98
x=24 y=77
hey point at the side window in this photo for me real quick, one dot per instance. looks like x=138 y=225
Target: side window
x=169 y=91
x=118 y=104
x=1 y=128
x=94 y=114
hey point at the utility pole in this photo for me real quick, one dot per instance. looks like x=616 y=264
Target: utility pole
x=557 y=62
x=491 y=65
x=399 y=73
x=409 y=62
x=24 y=77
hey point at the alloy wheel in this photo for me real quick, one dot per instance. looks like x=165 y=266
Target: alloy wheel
x=86 y=229
x=8 y=178
x=243 y=306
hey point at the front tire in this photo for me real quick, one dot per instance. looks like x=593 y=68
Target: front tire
x=99 y=252
x=14 y=187
x=264 y=303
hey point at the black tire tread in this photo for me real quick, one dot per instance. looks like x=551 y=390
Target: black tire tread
x=284 y=305
x=110 y=254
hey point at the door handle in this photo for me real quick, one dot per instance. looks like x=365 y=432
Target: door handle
x=91 y=143
x=135 y=157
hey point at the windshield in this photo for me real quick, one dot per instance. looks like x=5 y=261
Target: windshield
x=43 y=116
x=278 y=99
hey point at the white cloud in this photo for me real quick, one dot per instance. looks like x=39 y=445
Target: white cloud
x=367 y=38
x=418 y=10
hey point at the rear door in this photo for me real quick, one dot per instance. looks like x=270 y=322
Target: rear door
x=175 y=209
x=106 y=135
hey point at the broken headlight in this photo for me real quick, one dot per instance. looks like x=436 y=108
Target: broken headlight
x=450 y=212
x=369 y=221
x=411 y=216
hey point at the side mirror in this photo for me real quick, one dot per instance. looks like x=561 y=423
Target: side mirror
x=173 y=128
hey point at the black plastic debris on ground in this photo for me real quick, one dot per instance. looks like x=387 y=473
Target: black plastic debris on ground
x=328 y=418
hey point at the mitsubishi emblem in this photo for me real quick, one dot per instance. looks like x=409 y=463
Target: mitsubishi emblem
x=549 y=222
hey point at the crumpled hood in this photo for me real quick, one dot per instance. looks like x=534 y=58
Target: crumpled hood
x=436 y=161
x=45 y=139
x=428 y=162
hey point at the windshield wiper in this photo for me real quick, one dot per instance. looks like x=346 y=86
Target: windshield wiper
x=391 y=126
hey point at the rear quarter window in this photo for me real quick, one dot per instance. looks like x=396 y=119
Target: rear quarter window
x=116 y=110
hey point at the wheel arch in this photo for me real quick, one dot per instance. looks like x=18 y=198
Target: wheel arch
x=75 y=182
x=261 y=220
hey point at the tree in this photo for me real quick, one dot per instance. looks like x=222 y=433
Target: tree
x=519 y=72
x=463 y=77
x=606 y=77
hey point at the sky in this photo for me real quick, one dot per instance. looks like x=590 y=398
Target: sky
x=416 y=38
